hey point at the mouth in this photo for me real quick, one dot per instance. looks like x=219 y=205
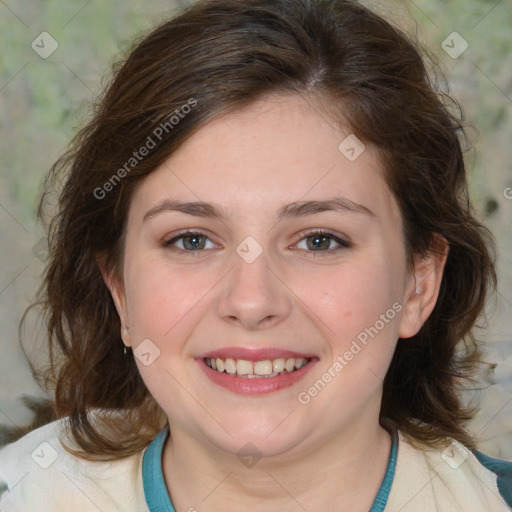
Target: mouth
x=263 y=369
x=256 y=371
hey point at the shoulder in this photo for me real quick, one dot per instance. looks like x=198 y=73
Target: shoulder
x=453 y=478
x=39 y=474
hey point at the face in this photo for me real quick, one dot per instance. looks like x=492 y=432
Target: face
x=290 y=265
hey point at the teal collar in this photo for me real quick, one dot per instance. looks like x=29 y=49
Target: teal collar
x=157 y=495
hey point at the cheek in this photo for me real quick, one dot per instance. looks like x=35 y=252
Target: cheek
x=166 y=303
x=358 y=307
x=350 y=297
x=359 y=310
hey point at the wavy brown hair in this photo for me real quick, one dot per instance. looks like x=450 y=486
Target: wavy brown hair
x=224 y=55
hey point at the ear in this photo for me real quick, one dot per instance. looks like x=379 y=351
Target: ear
x=116 y=288
x=423 y=287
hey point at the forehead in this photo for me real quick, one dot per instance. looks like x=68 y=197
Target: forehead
x=278 y=150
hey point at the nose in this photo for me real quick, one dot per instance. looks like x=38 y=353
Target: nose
x=254 y=296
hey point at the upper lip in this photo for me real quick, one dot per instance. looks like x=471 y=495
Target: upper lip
x=255 y=354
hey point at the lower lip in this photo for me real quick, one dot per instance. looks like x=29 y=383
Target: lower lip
x=256 y=386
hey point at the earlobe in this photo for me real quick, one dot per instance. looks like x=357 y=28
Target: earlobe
x=117 y=292
x=424 y=285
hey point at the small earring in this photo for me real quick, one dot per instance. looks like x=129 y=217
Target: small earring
x=124 y=350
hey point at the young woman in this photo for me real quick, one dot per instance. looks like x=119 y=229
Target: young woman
x=264 y=275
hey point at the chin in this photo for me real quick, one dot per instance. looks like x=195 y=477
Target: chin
x=257 y=438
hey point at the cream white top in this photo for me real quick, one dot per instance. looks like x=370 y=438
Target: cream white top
x=42 y=476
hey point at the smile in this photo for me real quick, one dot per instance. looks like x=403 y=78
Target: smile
x=266 y=368
x=255 y=372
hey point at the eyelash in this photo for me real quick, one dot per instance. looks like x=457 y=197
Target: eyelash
x=343 y=244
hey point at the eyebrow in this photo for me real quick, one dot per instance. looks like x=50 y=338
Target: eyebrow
x=295 y=209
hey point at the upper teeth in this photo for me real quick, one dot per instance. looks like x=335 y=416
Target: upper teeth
x=266 y=367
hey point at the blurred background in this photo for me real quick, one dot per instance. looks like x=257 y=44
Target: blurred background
x=55 y=57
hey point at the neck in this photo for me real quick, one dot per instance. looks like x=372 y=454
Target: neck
x=342 y=473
